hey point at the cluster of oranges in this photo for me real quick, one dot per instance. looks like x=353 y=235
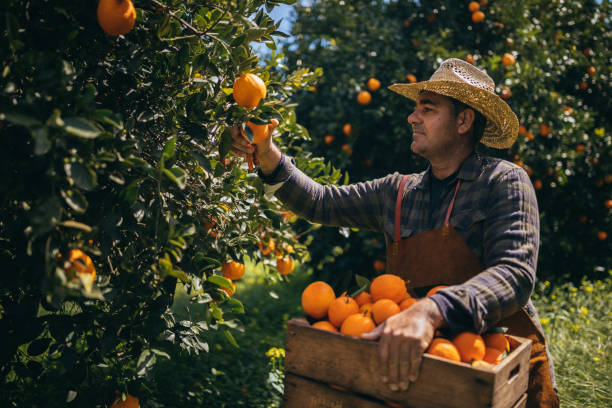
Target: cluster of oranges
x=359 y=314
x=232 y=270
x=477 y=15
x=386 y=297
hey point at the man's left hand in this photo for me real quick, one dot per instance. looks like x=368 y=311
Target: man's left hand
x=402 y=340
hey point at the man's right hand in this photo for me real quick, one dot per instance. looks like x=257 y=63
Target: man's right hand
x=267 y=154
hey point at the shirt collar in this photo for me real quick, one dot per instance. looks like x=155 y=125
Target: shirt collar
x=469 y=170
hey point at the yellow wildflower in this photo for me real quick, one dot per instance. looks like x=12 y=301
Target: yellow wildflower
x=595 y=359
x=545 y=321
x=584 y=310
x=553 y=297
x=589 y=289
x=571 y=309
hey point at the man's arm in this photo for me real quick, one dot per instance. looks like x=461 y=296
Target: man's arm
x=511 y=242
x=359 y=205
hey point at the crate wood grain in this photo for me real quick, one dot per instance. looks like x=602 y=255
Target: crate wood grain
x=301 y=392
x=333 y=358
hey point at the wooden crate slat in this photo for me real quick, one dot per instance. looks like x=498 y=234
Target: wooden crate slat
x=353 y=364
x=302 y=392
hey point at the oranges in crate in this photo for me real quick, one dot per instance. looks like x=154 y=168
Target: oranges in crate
x=385 y=297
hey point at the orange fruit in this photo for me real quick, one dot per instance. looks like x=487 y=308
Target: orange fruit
x=480 y=363
x=506 y=93
x=373 y=84
x=431 y=18
x=443 y=348
x=328 y=139
x=538 y=184
x=483 y=2
x=340 y=309
x=388 y=286
x=591 y=70
x=348 y=149
x=325 y=325
x=130 y=402
x=470 y=345
x=602 y=235
x=357 y=324
x=544 y=129
x=470 y=58
x=80 y=263
x=363 y=298
x=493 y=355
x=260 y=132
x=529 y=136
x=433 y=290
x=522 y=130
x=347 y=129
x=478 y=17
x=268 y=248
x=406 y=303
x=366 y=309
x=116 y=17
x=364 y=97
x=411 y=78
x=608 y=204
x=379 y=265
x=232 y=270
x=583 y=85
x=473 y=6
x=496 y=340
x=580 y=148
x=284 y=265
x=384 y=309
x=249 y=89
x=316 y=299
x=508 y=59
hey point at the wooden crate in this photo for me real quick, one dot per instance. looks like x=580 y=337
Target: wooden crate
x=315 y=358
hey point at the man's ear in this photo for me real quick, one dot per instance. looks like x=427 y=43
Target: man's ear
x=465 y=119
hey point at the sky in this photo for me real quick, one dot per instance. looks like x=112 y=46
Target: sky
x=282 y=11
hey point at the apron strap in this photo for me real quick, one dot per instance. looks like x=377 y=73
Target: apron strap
x=398 y=209
x=450 y=207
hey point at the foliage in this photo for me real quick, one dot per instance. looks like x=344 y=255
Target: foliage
x=118 y=146
x=577 y=321
x=554 y=44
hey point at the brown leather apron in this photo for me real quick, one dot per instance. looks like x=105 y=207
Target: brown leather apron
x=441 y=257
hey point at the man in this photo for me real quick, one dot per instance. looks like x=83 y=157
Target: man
x=469 y=222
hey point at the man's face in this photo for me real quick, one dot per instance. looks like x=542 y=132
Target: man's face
x=434 y=126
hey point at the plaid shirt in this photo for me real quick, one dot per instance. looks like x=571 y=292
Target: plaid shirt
x=495 y=212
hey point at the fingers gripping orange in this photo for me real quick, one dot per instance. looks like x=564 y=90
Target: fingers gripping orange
x=260 y=134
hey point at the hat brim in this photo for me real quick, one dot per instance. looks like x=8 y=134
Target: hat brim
x=502 y=124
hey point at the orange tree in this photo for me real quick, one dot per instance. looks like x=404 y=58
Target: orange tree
x=549 y=60
x=117 y=184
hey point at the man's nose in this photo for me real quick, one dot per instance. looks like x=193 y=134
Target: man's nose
x=413 y=118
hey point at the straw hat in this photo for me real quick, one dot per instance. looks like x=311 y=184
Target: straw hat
x=463 y=81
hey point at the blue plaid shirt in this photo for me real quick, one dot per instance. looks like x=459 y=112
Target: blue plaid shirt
x=495 y=212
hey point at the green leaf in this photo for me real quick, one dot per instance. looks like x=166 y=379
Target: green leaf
x=229 y=337
x=41 y=141
x=81 y=128
x=238 y=40
x=236 y=305
x=82 y=176
x=109 y=117
x=362 y=281
x=225 y=143
x=177 y=175
x=179 y=274
x=130 y=193
x=220 y=281
x=76 y=225
x=38 y=346
x=161 y=353
x=169 y=150
x=21 y=120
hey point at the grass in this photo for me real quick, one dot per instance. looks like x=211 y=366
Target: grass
x=577 y=321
